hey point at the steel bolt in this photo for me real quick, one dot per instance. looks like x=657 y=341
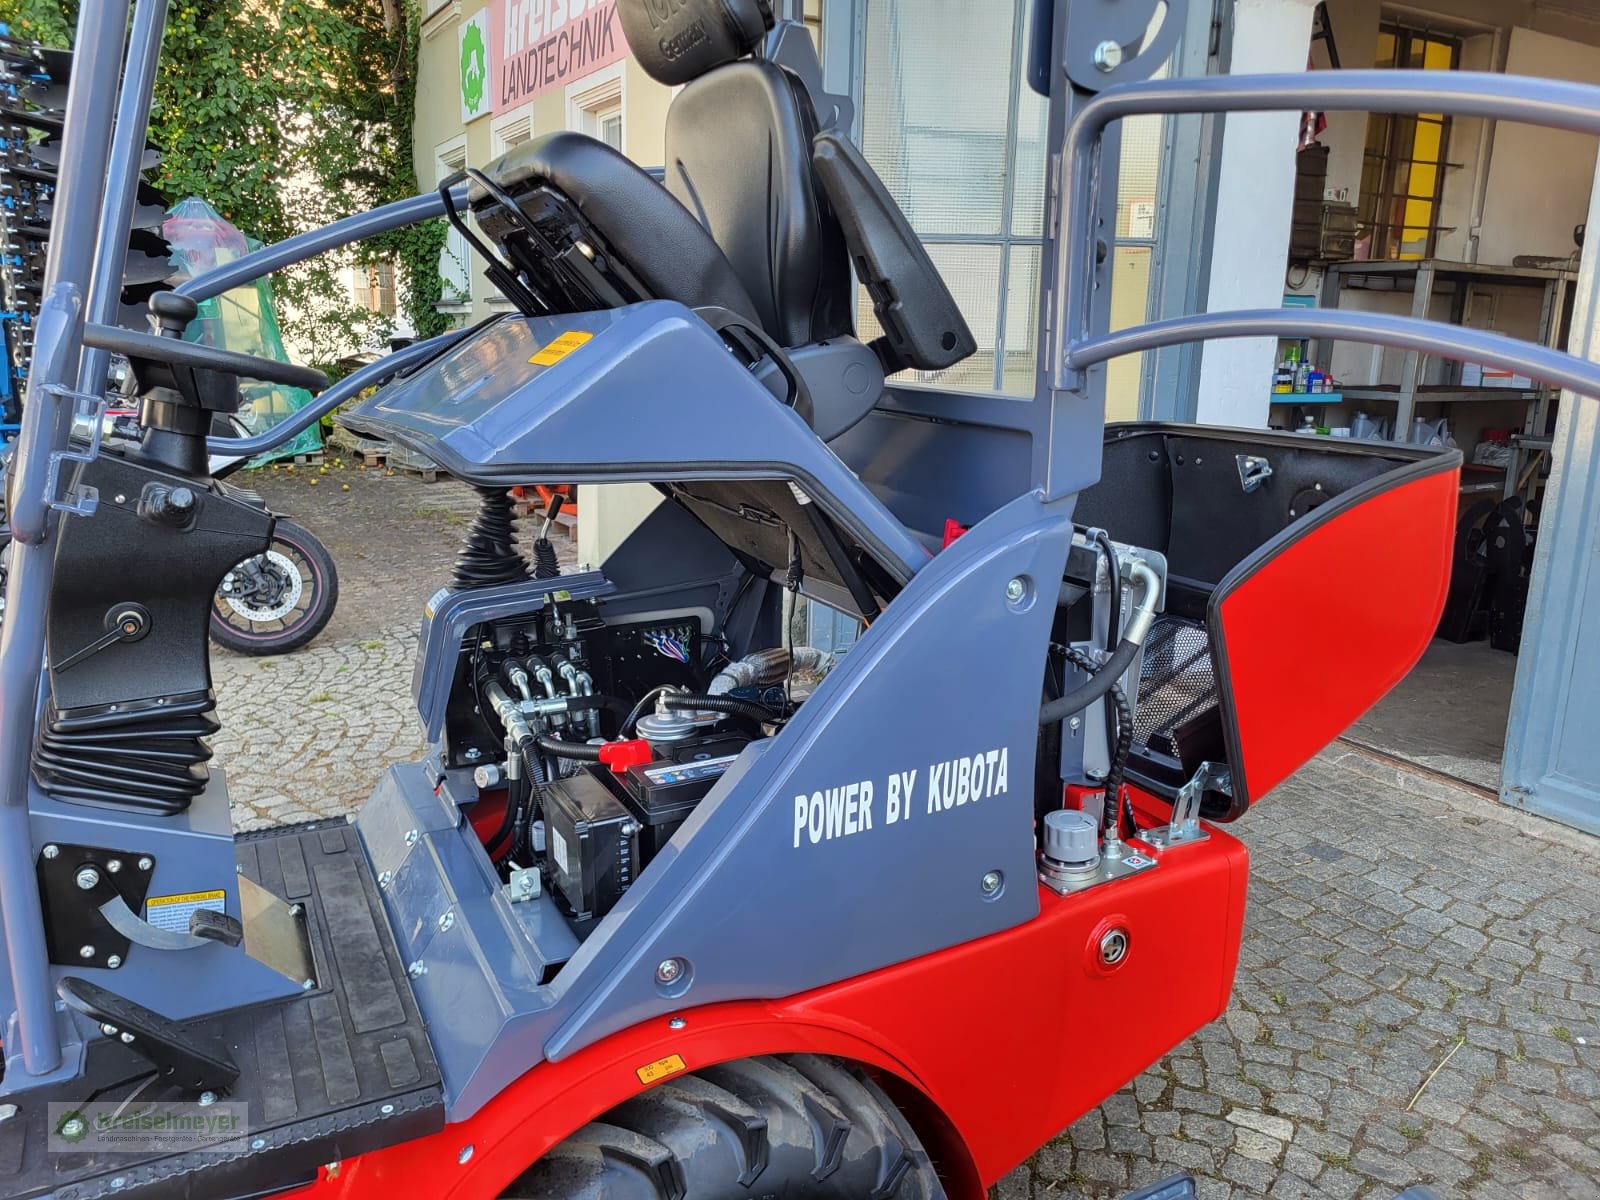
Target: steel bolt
x=676 y=1023
x=259 y=1144
x=117 y=1181
x=51 y=851
x=207 y=1099
x=417 y=969
x=87 y=877
x=385 y=879
x=1075 y=724
x=296 y=909
x=7 y=1111
x=387 y=1110
x=114 y=865
x=472 y=754
x=114 y=961
x=85 y=951
x=991 y=882
x=1107 y=56
x=1114 y=947
x=669 y=970
x=108 y=1029
x=465 y=1156
x=72 y=1128
x=146 y=862
x=411 y=837
x=446 y=922
x=125 y=1038
x=1016 y=590
x=307 y=985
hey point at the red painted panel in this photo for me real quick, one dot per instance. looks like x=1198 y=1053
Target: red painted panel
x=1326 y=626
x=998 y=1044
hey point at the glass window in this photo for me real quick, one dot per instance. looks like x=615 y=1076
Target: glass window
x=960 y=140
x=1402 y=168
x=456 y=258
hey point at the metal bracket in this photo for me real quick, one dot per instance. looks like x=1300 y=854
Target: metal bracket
x=1254 y=470
x=81 y=500
x=1185 y=824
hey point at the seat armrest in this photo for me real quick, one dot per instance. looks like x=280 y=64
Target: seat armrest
x=921 y=322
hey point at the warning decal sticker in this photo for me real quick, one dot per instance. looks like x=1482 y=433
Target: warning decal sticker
x=560 y=348
x=172 y=912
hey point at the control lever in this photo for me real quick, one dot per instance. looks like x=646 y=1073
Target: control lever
x=181 y=1054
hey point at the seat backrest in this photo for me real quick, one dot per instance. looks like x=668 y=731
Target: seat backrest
x=738 y=144
x=745 y=155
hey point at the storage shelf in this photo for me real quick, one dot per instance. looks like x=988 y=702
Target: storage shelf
x=1307 y=397
x=1390 y=275
x=1442 y=393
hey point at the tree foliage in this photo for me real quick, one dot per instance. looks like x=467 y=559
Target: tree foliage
x=285 y=116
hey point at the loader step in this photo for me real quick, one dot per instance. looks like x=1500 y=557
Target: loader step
x=339 y=1070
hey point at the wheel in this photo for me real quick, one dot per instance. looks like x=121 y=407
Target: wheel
x=277 y=601
x=791 y=1127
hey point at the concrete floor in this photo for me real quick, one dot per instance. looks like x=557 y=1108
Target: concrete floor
x=1448 y=715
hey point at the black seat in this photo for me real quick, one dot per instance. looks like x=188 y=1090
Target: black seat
x=574 y=189
x=739 y=158
x=762 y=213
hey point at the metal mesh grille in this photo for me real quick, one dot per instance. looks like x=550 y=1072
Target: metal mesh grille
x=1177 y=683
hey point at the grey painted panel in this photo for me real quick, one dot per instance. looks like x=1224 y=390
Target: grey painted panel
x=653 y=394
x=950 y=670
x=759 y=909
x=193 y=852
x=1552 y=756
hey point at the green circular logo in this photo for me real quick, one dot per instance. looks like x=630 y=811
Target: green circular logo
x=73 y=1127
x=474 y=67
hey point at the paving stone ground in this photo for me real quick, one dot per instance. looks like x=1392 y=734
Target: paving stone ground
x=1418 y=997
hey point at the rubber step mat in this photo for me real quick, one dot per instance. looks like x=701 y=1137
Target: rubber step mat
x=324 y=1076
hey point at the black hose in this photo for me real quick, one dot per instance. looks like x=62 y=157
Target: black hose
x=1119 y=742
x=519 y=800
x=1098 y=685
x=731 y=705
x=1104 y=542
x=579 y=750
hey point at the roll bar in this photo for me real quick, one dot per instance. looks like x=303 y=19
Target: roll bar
x=1554 y=103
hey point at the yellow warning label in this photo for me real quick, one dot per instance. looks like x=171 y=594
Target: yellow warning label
x=560 y=348
x=661 y=1068
x=172 y=912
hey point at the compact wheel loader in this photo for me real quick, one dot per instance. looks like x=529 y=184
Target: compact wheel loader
x=676 y=904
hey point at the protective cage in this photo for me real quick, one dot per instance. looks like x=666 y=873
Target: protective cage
x=1269 y=648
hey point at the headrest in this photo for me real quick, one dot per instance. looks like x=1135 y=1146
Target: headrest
x=676 y=41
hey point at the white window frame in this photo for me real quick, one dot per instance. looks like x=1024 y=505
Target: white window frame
x=594 y=97
x=448 y=157
x=510 y=129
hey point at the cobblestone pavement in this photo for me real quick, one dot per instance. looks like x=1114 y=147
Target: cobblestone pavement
x=1418 y=997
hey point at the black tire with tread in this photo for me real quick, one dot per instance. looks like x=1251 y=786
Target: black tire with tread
x=791 y=1127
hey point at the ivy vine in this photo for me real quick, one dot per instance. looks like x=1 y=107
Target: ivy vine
x=286 y=117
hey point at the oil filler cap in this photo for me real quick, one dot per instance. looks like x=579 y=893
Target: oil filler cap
x=1071 y=838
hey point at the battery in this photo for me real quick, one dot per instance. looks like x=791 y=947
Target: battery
x=591 y=845
x=662 y=794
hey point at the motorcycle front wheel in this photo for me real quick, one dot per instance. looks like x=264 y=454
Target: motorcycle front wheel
x=278 y=601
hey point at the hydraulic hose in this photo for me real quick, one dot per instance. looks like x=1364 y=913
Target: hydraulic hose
x=1121 y=658
x=730 y=705
x=578 y=750
x=1119 y=741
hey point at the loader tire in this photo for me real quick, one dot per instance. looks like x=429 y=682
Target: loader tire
x=776 y=1128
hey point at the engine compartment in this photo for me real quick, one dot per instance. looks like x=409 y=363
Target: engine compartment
x=590 y=738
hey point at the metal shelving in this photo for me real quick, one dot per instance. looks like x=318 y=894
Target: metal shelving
x=1422 y=278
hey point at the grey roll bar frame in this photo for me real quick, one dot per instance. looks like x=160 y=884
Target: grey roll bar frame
x=1557 y=104
x=81 y=188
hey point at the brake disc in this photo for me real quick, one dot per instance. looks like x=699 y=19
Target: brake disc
x=283 y=572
